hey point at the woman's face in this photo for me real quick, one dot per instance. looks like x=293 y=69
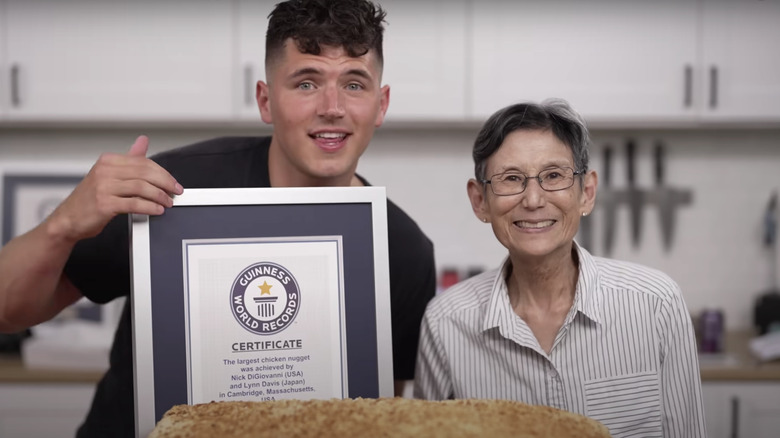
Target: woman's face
x=535 y=223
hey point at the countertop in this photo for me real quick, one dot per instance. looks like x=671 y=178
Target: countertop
x=13 y=371
x=736 y=363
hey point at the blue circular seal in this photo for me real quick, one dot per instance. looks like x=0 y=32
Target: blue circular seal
x=265 y=298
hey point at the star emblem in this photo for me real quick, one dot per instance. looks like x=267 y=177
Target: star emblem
x=265 y=288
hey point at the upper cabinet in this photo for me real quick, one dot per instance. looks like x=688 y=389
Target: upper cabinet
x=426 y=59
x=250 y=67
x=631 y=62
x=613 y=60
x=117 y=60
x=740 y=60
x=4 y=71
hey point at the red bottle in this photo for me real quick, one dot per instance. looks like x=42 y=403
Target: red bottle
x=449 y=277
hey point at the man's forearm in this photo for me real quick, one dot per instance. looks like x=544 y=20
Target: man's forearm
x=32 y=287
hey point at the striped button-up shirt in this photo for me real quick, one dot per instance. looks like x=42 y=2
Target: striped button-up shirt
x=625 y=355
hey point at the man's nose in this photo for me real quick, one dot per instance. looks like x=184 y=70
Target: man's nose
x=331 y=103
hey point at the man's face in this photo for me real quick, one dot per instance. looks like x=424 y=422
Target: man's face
x=324 y=109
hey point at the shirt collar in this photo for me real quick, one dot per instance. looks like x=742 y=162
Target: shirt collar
x=499 y=310
x=586 y=295
x=587 y=298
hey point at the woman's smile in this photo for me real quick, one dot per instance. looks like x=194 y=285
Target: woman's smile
x=542 y=225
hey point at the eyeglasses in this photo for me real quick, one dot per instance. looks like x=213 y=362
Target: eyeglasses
x=514 y=183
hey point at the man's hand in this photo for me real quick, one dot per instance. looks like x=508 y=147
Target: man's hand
x=116 y=184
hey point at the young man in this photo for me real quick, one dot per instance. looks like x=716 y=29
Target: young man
x=324 y=99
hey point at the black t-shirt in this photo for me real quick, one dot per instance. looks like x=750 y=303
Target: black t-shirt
x=100 y=268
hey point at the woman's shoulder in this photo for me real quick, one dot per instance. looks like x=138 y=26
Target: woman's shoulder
x=468 y=294
x=632 y=276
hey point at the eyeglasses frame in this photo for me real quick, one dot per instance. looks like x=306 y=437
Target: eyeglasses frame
x=536 y=177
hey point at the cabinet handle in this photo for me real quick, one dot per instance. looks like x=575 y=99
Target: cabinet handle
x=713 y=87
x=688 y=93
x=15 y=99
x=248 y=85
x=734 y=417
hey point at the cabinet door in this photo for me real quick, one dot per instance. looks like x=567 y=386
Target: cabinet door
x=117 y=60
x=43 y=410
x=717 y=410
x=5 y=79
x=741 y=60
x=758 y=409
x=425 y=59
x=252 y=25
x=749 y=410
x=613 y=60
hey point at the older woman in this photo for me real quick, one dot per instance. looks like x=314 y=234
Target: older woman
x=554 y=325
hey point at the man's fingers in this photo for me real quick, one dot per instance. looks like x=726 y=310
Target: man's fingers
x=140 y=147
x=142 y=190
x=146 y=169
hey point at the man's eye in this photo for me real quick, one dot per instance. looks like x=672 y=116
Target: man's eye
x=306 y=86
x=354 y=87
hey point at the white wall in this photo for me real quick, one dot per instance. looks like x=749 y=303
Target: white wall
x=717 y=256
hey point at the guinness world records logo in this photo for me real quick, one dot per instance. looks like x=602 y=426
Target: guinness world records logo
x=265 y=298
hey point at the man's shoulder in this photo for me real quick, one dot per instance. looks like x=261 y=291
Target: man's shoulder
x=214 y=148
x=400 y=224
x=630 y=276
x=219 y=162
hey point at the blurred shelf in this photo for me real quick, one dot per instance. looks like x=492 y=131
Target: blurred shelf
x=737 y=363
x=12 y=370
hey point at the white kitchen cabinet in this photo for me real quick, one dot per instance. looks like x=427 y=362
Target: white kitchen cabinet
x=250 y=68
x=742 y=409
x=740 y=49
x=613 y=60
x=43 y=410
x=4 y=70
x=425 y=52
x=119 y=61
x=631 y=62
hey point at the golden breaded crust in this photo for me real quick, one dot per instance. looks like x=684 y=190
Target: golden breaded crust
x=384 y=417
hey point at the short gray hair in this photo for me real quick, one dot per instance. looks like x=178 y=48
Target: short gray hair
x=555 y=115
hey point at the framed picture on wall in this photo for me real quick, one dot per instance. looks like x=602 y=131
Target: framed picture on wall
x=30 y=191
x=261 y=294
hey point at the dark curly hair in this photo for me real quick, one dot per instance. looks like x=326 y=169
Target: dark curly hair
x=355 y=25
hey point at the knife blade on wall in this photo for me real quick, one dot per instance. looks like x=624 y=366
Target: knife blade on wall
x=635 y=196
x=666 y=198
x=607 y=202
x=585 y=233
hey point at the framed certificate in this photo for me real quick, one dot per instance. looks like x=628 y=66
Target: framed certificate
x=261 y=294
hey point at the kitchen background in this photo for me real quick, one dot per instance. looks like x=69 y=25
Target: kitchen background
x=700 y=77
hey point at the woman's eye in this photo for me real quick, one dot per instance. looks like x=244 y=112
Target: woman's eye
x=513 y=178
